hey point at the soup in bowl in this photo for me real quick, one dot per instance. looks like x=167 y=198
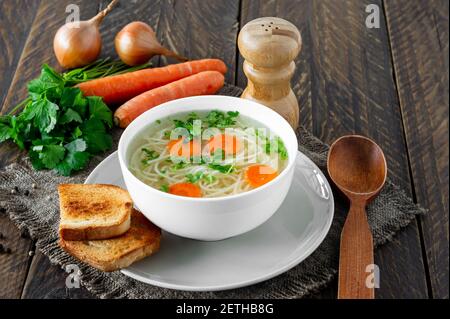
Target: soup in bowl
x=208 y=167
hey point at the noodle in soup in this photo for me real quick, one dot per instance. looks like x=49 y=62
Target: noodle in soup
x=207 y=154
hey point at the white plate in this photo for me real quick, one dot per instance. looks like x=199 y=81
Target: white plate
x=286 y=239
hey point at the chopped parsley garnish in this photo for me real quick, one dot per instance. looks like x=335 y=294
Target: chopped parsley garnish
x=190 y=125
x=164 y=188
x=267 y=146
x=225 y=169
x=277 y=145
x=197 y=159
x=214 y=119
x=221 y=119
x=209 y=178
x=282 y=149
x=194 y=178
x=150 y=155
x=178 y=166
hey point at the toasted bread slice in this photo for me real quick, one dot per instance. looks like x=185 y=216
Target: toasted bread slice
x=93 y=211
x=141 y=240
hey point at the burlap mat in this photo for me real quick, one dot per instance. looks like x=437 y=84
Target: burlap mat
x=38 y=212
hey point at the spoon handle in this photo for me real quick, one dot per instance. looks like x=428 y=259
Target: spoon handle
x=356 y=254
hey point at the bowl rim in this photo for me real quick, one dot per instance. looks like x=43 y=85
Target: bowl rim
x=122 y=149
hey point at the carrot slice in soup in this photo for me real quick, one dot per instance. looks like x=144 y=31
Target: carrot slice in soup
x=180 y=148
x=230 y=144
x=258 y=174
x=185 y=189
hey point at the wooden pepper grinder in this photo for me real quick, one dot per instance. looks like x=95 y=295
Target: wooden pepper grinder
x=269 y=46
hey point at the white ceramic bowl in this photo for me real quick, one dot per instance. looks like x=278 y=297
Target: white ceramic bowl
x=210 y=218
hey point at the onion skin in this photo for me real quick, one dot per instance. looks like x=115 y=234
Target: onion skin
x=75 y=47
x=79 y=43
x=136 y=43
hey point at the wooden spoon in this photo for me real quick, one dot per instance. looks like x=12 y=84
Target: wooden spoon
x=358 y=167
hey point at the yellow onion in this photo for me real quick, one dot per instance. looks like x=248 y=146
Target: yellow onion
x=77 y=44
x=136 y=43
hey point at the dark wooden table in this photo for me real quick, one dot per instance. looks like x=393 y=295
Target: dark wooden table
x=389 y=83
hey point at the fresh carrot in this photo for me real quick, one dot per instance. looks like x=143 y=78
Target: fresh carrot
x=208 y=82
x=185 y=189
x=180 y=148
x=259 y=174
x=230 y=144
x=120 y=88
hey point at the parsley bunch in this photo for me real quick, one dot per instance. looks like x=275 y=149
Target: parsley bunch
x=60 y=128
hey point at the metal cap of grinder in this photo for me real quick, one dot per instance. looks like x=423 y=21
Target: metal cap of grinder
x=269 y=46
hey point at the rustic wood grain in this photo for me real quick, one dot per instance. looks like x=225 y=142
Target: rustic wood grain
x=358 y=168
x=37 y=50
x=39 y=46
x=344 y=85
x=124 y=13
x=47 y=281
x=419 y=38
x=13 y=35
x=201 y=29
x=14 y=265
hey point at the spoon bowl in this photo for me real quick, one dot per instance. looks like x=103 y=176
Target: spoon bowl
x=358 y=167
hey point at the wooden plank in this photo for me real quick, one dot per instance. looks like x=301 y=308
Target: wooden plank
x=148 y=11
x=39 y=46
x=47 y=281
x=37 y=50
x=344 y=84
x=14 y=265
x=419 y=38
x=13 y=35
x=201 y=29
